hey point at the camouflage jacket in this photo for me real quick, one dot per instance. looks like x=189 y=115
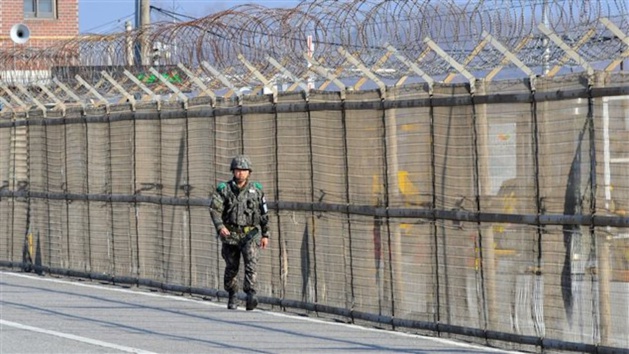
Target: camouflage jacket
x=240 y=210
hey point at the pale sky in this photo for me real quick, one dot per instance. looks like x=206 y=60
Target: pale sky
x=109 y=16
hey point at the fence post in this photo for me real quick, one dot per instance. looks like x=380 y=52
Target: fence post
x=483 y=189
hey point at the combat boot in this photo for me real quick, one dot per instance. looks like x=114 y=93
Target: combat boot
x=252 y=301
x=232 y=302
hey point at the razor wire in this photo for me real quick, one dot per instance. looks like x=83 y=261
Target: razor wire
x=367 y=29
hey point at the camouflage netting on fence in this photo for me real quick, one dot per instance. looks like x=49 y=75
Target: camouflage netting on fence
x=500 y=211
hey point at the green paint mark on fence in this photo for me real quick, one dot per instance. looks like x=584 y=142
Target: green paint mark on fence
x=173 y=78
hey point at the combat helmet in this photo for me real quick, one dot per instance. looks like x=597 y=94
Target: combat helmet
x=241 y=162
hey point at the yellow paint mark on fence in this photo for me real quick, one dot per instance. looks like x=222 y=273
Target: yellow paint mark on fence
x=29 y=239
x=409 y=128
x=407 y=188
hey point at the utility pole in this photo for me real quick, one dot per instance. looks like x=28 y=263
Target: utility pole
x=142 y=22
x=546 y=43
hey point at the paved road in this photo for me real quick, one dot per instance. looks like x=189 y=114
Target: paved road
x=51 y=315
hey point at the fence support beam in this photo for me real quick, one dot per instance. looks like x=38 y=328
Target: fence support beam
x=453 y=63
x=622 y=36
x=331 y=78
x=365 y=71
x=569 y=51
x=222 y=78
x=6 y=104
x=421 y=56
x=204 y=89
x=69 y=92
x=172 y=87
x=143 y=87
x=375 y=67
x=120 y=89
x=479 y=47
x=93 y=91
x=326 y=73
x=297 y=81
x=586 y=37
x=411 y=65
x=53 y=97
x=508 y=55
x=506 y=60
x=13 y=96
x=25 y=92
x=258 y=74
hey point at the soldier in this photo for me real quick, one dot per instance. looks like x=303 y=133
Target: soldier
x=240 y=215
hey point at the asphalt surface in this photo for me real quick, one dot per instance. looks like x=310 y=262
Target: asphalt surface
x=60 y=315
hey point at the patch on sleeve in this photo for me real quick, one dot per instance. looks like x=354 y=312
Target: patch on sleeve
x=257 y=185
x=265 y=209
x=221 y=186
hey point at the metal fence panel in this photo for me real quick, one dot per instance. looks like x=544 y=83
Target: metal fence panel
x=493 y=210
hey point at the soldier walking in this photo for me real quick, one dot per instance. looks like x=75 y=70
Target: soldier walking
x=240 y=215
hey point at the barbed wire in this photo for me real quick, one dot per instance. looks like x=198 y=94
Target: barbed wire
x=363 y=27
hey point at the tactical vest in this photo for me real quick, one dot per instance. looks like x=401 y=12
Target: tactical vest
x=242 y=208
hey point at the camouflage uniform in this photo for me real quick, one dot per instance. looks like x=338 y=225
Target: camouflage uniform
x=243 y=212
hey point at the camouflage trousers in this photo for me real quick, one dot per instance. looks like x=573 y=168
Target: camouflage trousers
x=231 y=254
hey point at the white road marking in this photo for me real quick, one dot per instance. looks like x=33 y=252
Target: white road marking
x=435 y=339
x=75 y=338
